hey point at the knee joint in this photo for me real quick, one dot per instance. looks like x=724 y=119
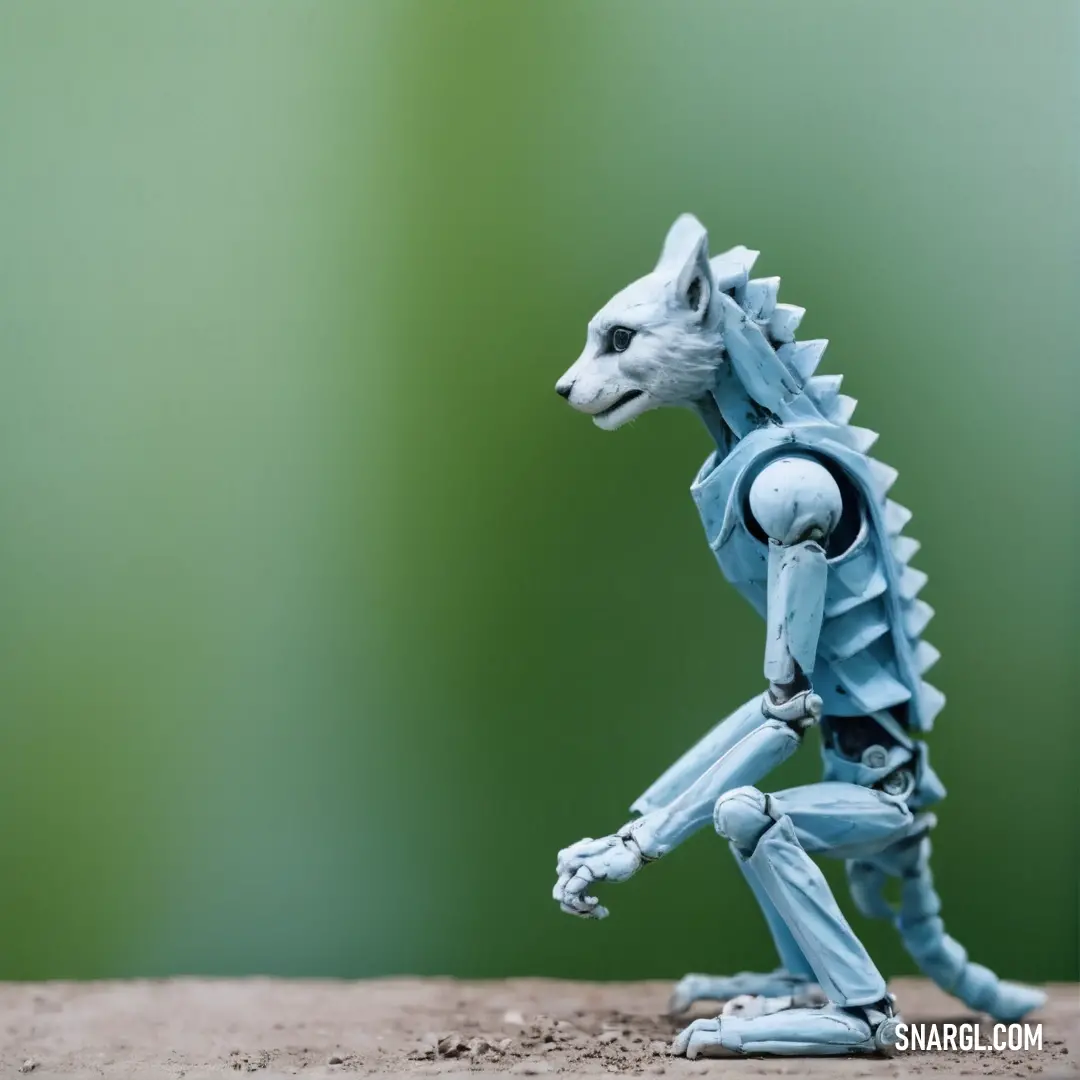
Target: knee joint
x=742 y=816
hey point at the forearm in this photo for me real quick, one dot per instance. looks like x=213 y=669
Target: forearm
x=704 y=754
x=755 y=755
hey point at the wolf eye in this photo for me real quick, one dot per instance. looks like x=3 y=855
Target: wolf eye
x=621 y=338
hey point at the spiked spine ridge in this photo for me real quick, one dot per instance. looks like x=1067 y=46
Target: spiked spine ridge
x=766 y=326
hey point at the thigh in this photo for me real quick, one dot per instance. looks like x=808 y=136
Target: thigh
x=842 y=820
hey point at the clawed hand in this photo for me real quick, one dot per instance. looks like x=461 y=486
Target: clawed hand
x=611 y=858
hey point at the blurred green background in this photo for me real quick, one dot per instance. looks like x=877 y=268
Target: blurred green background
x=324 y=623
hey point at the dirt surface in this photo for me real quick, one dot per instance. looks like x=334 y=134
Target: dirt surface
x=201 y=1028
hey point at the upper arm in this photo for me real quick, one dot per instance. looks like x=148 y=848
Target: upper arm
x=797 y=504
x=794 y=499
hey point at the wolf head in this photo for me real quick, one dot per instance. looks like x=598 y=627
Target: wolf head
x=658 y=342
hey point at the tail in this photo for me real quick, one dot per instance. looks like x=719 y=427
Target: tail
x=922 y=932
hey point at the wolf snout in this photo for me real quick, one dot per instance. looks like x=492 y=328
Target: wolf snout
x=564 y=389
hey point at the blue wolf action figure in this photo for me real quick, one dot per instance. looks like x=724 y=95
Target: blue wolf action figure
x=797 y=515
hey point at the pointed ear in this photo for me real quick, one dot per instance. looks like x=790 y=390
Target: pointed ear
x=686 y=259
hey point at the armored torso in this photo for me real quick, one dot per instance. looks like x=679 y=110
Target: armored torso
x=871 y=656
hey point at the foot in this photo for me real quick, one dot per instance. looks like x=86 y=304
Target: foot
x=694 y=987
x=826 y=1030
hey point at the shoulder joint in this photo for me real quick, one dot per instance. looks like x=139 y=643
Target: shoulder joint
x=796 y=499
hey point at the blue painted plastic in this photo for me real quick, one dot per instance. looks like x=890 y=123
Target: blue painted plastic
x=798 y=516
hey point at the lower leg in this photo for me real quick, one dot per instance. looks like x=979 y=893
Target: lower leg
x=859 y=1016
x=771 y=853
x=793 y=981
